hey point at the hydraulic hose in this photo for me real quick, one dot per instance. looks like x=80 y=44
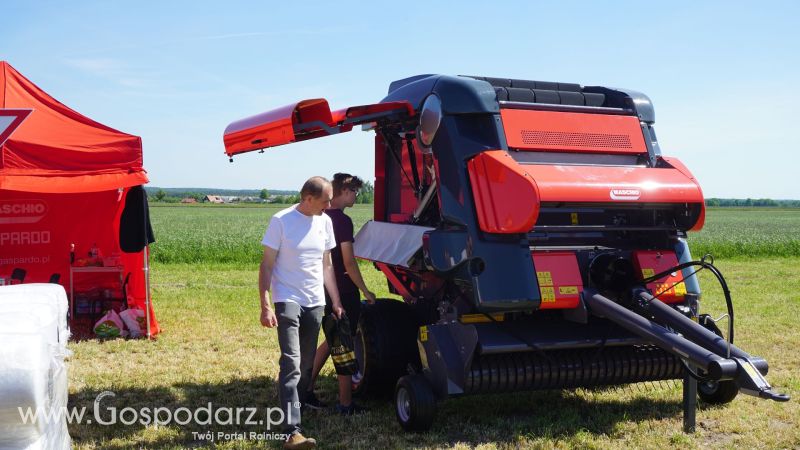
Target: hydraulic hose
x=703 y=264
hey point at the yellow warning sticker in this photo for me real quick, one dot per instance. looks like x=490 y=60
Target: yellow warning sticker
x=647 y=273
x=748 y=367
x=680 y=289
x=481 y=318
x=574 y=218
x=565 y=290
x=548 y=294
x=423 y=334
x=544 y=278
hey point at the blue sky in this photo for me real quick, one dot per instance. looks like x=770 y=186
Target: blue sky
x=723 y=76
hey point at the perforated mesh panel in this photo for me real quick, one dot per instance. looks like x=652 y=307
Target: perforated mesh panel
x=565 y=139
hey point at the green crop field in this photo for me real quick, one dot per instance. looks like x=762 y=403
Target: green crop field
x=232 y=234
x=218 y=234
x=743 y=233
x=214 y=350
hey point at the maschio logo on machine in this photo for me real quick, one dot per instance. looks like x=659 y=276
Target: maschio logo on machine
x=22 y=211
x=625 y=194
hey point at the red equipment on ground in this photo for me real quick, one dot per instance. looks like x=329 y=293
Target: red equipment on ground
x=537 y=236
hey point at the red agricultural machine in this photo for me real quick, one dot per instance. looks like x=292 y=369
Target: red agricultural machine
x=538 y=238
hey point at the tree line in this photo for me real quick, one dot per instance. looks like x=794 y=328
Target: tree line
x=752 y=202
x=367 y=195
x=174 y=195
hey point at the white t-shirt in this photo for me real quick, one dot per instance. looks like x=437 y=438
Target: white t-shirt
x=301 y=241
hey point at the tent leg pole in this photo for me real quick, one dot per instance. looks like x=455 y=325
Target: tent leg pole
x=146 y=269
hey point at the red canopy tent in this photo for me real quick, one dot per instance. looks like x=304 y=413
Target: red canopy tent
x=67 y=180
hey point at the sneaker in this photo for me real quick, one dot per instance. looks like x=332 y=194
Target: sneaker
x=350 y=410
x=311 y=401
x=299 y=442
x=355 y=383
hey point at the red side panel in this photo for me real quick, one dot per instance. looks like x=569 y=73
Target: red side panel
x=307 y=119
x=564 y=183
x=573 y=132
x=506 y=197
x=408 y=198
x=560 y=282
x=669 y=289
x=678 y=165
x=379 y=208
x=275 y=127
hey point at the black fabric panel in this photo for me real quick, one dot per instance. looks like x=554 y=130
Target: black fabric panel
x=499 y=82
x=521 y=95
x=571 y=87
x=546 y=96
x=571 y=98
x=531 y=91
x=524 y=84
x=546 y=85
x=135 y=230
x=593 y=99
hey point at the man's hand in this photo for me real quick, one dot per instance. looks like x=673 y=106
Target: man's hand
x=370 y=297
x=268 y=318
x=338 y=311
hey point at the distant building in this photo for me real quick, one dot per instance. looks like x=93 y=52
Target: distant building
x=188 y=200
x=213 y=199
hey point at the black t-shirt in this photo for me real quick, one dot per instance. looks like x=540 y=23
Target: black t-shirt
x=343 y=231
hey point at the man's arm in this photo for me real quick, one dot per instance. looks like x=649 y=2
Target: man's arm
x=330 y=283
x=268 y=318
x=351 y=266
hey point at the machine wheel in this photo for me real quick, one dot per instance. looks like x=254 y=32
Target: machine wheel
x=385 y=344
x=415 y=403
x=716 y=392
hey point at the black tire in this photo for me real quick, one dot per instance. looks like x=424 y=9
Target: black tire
x=414 y=403
x=716 y=392
x=385 y=345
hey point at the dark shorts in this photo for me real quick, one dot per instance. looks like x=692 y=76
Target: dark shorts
x=351 y=302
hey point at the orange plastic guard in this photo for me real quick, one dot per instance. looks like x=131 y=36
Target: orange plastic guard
x=275 y=127
x=668 y=289
x=307 y=119
x=572 y=132
x=506 y=197
x=559 y=279
x=563 y=183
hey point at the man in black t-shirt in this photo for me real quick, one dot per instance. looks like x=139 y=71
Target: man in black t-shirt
x=348 y=281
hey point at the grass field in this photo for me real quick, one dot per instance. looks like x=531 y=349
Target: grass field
x=747 y=233
x=225 y=234
x=218 y=234
x=213 y=350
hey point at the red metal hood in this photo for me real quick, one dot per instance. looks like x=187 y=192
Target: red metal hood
x=570 y=183
x=306 y=119
x=508 y=194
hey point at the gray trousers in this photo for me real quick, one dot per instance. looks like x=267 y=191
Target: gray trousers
x=298 y=330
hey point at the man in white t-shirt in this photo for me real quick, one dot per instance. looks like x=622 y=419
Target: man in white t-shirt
x=296 y=264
